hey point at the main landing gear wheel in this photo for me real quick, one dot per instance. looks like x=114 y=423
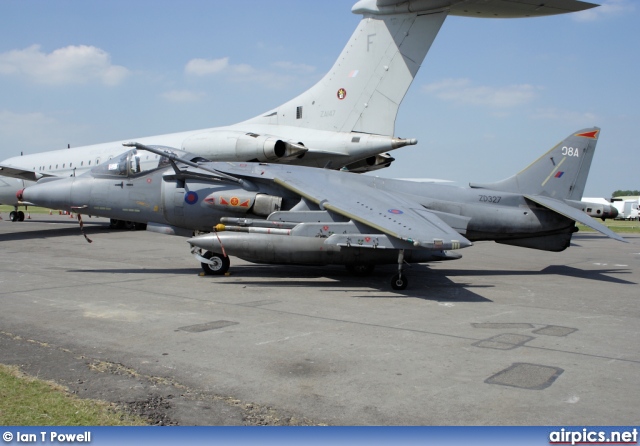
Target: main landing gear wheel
x=218 y=266
x=399 y=282
x=16 y=216
x=116 y=224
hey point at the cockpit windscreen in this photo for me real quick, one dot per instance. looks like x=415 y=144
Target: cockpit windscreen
x=133 y=162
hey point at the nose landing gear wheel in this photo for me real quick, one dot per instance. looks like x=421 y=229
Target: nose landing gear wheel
x=218 y=266
x=399 y=282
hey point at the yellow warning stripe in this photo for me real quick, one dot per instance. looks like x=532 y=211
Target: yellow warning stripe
x=554 y=171
x=286 y=185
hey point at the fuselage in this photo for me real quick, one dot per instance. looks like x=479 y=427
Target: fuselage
x=215 y=144
x=232 y=143
x=157 y=196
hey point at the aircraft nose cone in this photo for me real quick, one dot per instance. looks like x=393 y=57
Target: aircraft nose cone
x=613 y=212
x=51 y=194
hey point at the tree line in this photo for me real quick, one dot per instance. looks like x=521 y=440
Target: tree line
x=625 y=193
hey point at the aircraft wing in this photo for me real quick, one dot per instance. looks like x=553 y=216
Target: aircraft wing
x=476 y=8
x=21 y=174
x=574 y=214
x=354 y=198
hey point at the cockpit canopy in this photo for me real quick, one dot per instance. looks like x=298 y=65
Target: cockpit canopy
x=134 y=162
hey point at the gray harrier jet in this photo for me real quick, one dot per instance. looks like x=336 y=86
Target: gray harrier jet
x=270 y=213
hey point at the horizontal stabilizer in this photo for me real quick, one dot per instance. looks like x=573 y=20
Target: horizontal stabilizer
x=574 y=214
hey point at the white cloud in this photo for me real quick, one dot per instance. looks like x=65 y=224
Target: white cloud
x=243 y=69
x=183 y=96
x=33 y=132
x=607 y=8
x=204 y=67
x=584 y=119
x=69 y=65
x=293 y=67
x=284 y=74
x=461 y=91
x=10 y=121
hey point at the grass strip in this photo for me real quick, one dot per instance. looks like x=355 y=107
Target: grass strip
x=28 y=401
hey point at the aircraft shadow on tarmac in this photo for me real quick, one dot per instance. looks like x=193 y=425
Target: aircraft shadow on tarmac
x=424 y=282
x=71 y=229
x=632 y=238
x=592 y=235
x=30 y=235
x=558 y=270
x=141 y=270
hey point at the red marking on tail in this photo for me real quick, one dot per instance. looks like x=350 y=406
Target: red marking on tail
x=592 y=135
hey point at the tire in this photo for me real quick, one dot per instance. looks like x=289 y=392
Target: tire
x=220 y=264
x=399 y=282
x=116 y=224
x=20 y=216
x=13 y=216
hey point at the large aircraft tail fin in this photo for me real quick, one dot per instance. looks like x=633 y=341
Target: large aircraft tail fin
x=365 y=86
x=363 y=90
x=561 y=173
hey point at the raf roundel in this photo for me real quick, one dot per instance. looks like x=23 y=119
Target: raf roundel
x=395 y=211
x=191 y=198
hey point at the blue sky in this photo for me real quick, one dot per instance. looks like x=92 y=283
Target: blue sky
x=491 y=96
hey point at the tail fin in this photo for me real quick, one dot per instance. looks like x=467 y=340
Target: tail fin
x=365 y=86
x=560 y=173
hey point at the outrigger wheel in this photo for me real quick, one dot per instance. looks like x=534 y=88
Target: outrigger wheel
x=399 y=281
x=218 y=266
